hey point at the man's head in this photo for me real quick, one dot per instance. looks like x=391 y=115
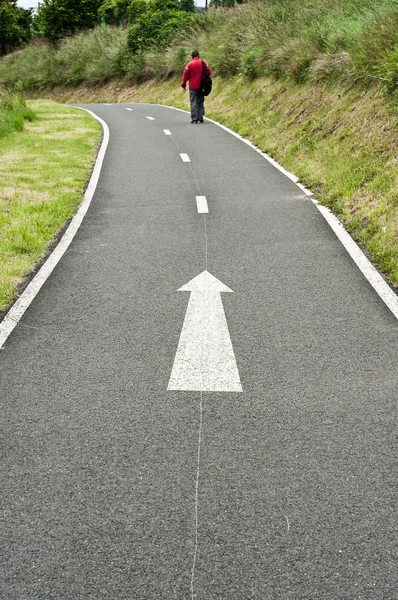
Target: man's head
x=195 y=54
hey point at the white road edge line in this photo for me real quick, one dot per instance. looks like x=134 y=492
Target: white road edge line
x=201 y=203
x=382 y=288
x=14 y=315
x=362 y=262
x=167 y=132
x=185 y=158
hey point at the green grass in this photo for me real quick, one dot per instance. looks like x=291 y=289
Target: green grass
x=13 y=111
x=43 y=172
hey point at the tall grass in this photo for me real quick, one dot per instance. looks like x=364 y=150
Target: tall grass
x=354 y=41
x=13 y=111
x=351 y=41
x=95 y=56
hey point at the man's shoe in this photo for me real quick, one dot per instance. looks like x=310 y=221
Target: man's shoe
x=201 y=120
x=194 y=121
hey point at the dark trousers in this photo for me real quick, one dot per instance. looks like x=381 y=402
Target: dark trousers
x=197 y=105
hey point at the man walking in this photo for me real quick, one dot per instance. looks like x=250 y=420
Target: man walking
x=193 y=73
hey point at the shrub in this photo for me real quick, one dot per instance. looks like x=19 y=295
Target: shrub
x=136 y=9
x=154 y=29
x=114 y=11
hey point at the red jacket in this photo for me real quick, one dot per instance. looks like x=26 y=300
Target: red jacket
x=193 y=72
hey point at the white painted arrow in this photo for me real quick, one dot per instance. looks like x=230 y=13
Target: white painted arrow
x=205 y=359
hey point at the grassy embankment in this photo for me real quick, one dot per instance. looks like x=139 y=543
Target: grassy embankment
x=311 y=82
x=43 y=171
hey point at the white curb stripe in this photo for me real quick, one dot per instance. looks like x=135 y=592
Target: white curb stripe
x=201 y=203
x=371 y=274
x=14 y=315
x=382 y=288
x=185 y=158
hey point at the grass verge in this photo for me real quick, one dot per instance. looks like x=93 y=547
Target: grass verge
x=43 y=173
x=13 y=111
x=340 y=143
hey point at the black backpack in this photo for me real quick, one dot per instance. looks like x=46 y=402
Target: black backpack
x=206 y=83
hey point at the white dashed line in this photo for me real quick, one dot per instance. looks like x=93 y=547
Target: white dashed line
x=382 y=288
x=150 y=118
x=167 y=132
x=201 y=203
x=185 y=158
x=129 y=109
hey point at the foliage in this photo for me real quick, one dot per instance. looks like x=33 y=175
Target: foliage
x=15 y=26
x=187 y=5
x=114 y=11
x=163 y=5
x=13 y=110
x=154 y=27
x=136 y=9
x=60 y=18
x=154 y=23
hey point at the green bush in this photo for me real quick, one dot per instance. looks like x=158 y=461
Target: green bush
x=114 y=11
x=136 y=9
x=154 y=29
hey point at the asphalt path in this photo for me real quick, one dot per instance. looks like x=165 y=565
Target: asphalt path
x=114 y=486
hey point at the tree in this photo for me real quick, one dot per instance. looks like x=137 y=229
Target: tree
x=25 y=19
x=163 y=5
x=15 y=26
x=60 y=18
x=114 y=11
x=136 y=9
x=226 y=3
x=187 y=5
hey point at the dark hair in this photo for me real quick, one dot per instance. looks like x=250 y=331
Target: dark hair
x=195 y=54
